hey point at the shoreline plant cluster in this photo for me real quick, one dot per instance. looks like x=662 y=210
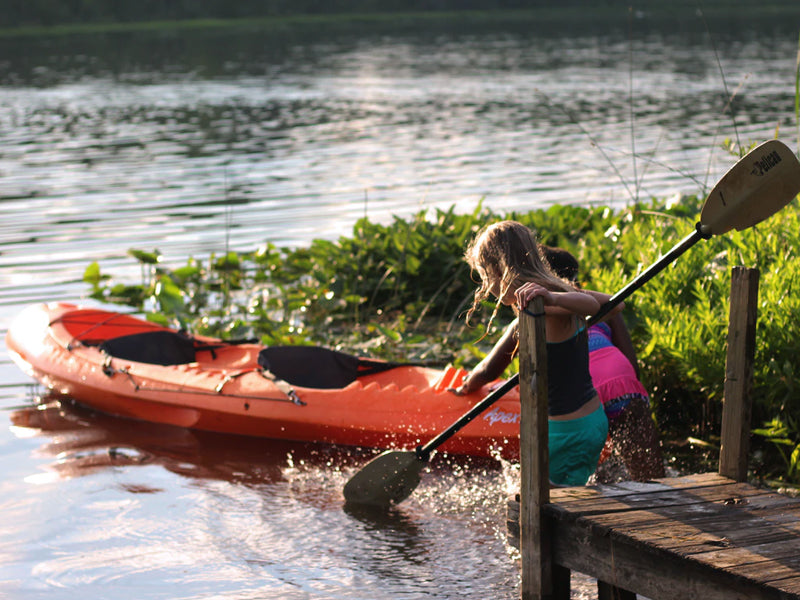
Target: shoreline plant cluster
x=400 y=291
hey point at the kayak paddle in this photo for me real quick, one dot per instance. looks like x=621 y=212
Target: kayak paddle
x=761 y=183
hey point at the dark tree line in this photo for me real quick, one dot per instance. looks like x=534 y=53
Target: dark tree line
x=56 y=12
x=52 y=12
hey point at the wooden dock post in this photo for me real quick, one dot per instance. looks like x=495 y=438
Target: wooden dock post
x=737 y=406
x=535 y=535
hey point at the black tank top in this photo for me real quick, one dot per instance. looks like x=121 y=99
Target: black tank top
x=569 y=383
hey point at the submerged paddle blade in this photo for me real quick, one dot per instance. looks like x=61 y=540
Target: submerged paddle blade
x=764 y=181
x=387 y=479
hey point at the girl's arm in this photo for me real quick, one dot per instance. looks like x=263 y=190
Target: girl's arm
x=580 y=302
x=602 y=299
x=493 y=365
x=576 y=302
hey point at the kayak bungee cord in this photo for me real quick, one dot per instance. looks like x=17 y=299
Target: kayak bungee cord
x=291 y=398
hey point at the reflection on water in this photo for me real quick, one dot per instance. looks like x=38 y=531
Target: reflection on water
x=83 y=441
x=117 y=503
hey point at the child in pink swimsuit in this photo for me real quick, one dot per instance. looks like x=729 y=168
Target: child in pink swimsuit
x=612 y=363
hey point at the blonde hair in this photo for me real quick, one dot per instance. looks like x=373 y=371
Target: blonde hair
x=505 y=255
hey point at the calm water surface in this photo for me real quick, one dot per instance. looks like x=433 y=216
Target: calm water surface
x=195 y=143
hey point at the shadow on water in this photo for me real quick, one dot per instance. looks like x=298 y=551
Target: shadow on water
x=380 y=518
x=397 y=536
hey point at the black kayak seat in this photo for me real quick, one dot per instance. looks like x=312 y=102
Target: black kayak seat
x=155 y=347
x=304 y=366
x=317 y=367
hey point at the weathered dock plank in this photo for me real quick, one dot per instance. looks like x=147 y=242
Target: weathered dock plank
x=704 y=535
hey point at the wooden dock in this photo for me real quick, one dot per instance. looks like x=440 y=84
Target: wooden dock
x=708 y=536
x=699 y=536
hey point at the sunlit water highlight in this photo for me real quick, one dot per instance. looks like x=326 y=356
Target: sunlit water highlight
x=101 y=151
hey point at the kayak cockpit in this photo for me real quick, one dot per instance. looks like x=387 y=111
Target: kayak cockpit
x=302 y=366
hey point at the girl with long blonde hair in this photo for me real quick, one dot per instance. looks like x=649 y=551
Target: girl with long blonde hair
x=511 y=267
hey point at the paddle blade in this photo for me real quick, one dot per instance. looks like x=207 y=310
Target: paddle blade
x=764 y=181
x=387 y=479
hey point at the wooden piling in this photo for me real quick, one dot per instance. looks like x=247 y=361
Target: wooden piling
x=735 y=434
x=535 y=536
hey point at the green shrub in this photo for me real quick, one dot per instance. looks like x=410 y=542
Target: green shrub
x=401 y=290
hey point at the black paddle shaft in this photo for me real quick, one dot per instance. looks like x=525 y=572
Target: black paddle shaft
x=424 y=452
x=653 y=270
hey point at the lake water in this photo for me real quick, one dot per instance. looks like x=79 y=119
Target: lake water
x=193 y=143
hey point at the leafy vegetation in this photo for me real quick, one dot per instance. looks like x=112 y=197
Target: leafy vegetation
x=401 y=290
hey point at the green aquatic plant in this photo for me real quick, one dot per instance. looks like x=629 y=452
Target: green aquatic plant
x=399 y=291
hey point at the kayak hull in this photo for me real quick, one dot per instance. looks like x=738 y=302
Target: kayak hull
x=225 y=390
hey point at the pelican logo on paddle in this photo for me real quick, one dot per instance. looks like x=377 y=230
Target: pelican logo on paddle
x=765 y=163
x=500 y=416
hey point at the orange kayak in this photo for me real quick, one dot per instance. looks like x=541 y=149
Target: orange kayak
x=125 y=366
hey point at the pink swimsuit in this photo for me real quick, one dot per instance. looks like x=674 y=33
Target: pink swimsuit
x=613 y=375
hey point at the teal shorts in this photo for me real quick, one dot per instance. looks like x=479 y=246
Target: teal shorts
x=575 y=447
